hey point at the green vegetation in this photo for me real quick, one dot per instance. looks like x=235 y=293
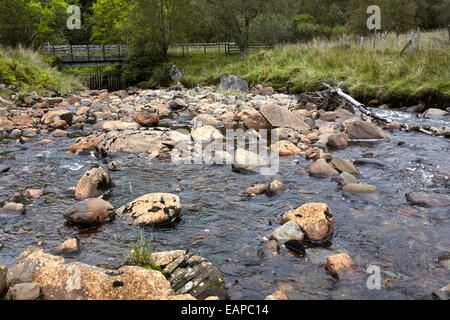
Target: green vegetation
x=366 y=74
x=30 y=71
x=141 y=255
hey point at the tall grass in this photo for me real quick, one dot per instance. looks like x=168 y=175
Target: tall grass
x=30 y=71
x=365 y=73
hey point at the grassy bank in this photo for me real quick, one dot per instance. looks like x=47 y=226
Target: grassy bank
x=30 y=71
x=420 y=76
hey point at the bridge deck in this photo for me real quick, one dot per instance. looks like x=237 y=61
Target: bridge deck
x=87 y=53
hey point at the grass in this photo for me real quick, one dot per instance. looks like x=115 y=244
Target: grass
x=141 y=254
x=30 y=71
x=366 y=74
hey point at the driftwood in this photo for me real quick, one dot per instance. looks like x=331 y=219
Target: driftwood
x=424 y=129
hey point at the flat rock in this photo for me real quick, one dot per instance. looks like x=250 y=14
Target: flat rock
x=256 y=189
x=315 y=219
x=434 y=113
x=117 y=125
x=89 y=212
x=282 y=117
x=12 y=208
x=190 y=273
x=287 y=148
x=428 y=199
x=153 y=209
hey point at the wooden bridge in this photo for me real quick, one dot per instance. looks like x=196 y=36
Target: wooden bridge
x=92 y=54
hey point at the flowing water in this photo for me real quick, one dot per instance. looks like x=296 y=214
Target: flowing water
x=225 y=226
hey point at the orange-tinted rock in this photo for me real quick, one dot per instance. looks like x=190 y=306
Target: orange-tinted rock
x=287 y=148
x=277 y=295
x=339 y=264
x=92 y=184
x=315 y=219
x=322 y=168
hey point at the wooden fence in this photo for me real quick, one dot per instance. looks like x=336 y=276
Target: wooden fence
x=228 y=48
x=87 y=53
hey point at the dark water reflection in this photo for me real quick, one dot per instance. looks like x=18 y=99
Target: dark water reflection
x=222 y=224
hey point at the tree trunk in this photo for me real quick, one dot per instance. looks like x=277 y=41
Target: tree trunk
x=244 y=46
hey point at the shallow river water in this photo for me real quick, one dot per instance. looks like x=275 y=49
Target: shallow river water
x=226 y=227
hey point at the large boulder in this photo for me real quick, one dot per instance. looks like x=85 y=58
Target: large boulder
x=26 y=265
x=434 y=113
x=232 y=83
x=315 y=219
x=153 y=209
x=89 y=212
x=191 y=274
x=93 y=183
x=78 y=281
x=282 y=117
x=428 y=199
x=358 y=129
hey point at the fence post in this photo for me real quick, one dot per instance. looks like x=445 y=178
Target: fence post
x=383 y=42
x=374 y=38
x=71 y=53
x=104 y=55
x=413 y=38
x=418 y=38
x=204 y=48
x=341 y=42
x=361 y=43
x=88 y=52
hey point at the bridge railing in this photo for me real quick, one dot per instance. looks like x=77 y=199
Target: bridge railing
x=87 y=53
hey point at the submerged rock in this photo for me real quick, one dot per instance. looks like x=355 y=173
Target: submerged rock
x=270 y=249
x=315 y=219
x=277 y=295
x=428 y=199
x=153 y=209
x=93 y=183
x=89 y=212
x=365 y=192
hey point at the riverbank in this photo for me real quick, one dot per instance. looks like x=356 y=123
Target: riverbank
x=347 y=196
x=422 y=76
x=23 y=71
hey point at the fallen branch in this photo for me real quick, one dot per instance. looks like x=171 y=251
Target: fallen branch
x=362 y=109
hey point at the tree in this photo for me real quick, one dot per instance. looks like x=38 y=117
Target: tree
x=236 y=16
x=108 y=20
